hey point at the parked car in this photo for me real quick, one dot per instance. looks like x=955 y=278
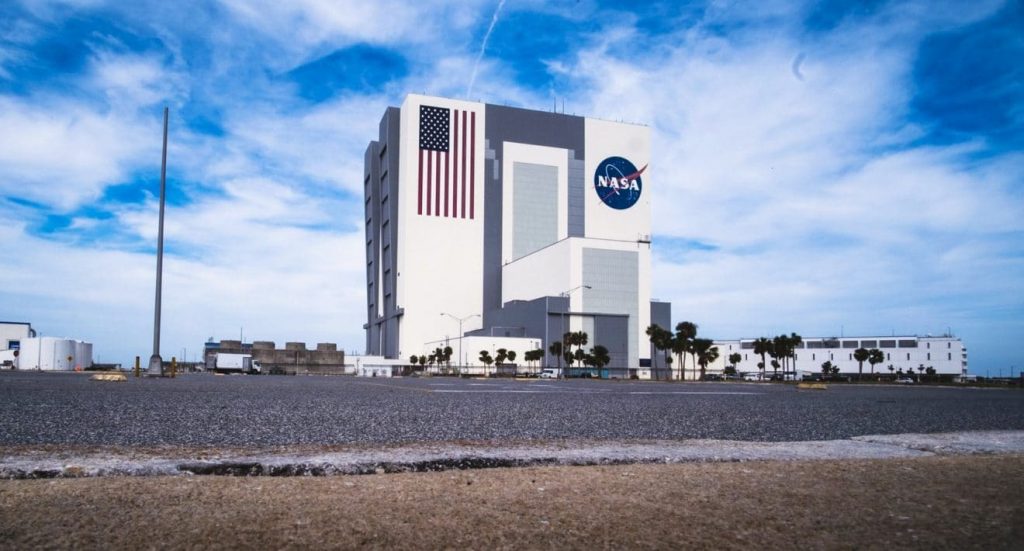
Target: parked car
x=904 y=381
x=549 y=374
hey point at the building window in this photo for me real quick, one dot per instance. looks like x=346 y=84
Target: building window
x=908 y=344
x=929 y=345
x=950 y=356
x=869 y=344
x=888 y=356
x=887 y=344
x=908 y=356
x=849 y=344
x=929 y=356
x=949 y=345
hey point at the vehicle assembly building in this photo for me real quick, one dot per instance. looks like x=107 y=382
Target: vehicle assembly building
x=492 y=221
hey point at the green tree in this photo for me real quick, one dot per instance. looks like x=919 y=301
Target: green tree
x=762 y=346
x=734 y=359
x=826 y=368
x=414 y=359
x=447 y=357
x=875 y=356
x=511 y=356
x=500 y=355
x=487 y=360
x=423 y=361
x=600 y=356
x=861 y=355
x=775 y=368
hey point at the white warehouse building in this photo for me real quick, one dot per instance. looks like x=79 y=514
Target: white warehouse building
x=500 y=222
x=946 y=354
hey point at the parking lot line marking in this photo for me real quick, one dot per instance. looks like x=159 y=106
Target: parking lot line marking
x=399 y=386
x=722 y=393
x=496 y=391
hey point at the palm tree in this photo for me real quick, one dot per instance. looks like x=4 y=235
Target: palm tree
x=762 y=346
x=661 y=339
x=861 y=355
x=686 y=331
x=706 y=354
x=826 y=368
x=777 y=352
x=447 y=355
x=556 y=350
x=795 y=341
x=875 y=356
x=680 y=346
x=487 y=360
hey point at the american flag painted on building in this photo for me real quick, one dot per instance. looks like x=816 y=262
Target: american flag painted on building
x=446 y=184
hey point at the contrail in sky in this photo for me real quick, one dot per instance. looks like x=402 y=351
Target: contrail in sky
x=483 y=46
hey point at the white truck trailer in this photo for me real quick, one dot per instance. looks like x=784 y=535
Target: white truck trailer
x=239 y=363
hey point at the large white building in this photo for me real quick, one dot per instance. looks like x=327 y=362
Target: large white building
x=492 y=221
x=946 y=354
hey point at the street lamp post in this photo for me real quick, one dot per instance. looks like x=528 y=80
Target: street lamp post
x=567 y=294
x=460 y=320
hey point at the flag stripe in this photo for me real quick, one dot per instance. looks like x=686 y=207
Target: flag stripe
x=472 y=165
x=457 y=197
x=463 y=157
x=430 y=158
x=419 y=187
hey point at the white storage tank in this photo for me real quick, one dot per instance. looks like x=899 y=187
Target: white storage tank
x=52 y=353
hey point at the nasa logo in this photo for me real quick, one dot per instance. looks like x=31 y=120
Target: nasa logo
x=618 y=183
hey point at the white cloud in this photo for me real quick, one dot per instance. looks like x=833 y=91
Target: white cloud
x=62 y=153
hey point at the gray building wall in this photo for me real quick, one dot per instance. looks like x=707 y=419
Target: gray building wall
x=380 y=182
x=511 y=124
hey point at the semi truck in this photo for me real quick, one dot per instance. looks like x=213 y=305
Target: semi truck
x=240 y=363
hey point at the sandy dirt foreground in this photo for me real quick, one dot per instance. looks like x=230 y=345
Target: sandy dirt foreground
x=954 y=502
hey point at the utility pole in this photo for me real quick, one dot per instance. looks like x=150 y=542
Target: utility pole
x=156 y=364
x=460 y=320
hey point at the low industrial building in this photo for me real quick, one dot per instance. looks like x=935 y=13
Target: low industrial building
x=293 y=359
x=21 y=348
x=946 y=355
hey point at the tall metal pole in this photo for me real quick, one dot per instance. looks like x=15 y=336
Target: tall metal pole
x=156 y=364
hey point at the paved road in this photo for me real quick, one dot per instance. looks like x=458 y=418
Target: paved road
x=207 y=410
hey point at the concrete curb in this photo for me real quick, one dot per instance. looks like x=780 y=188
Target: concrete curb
x=447 y=456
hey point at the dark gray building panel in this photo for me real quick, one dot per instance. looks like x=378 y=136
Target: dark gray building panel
x=577 y=197
x=612 y=332
x=661 y=315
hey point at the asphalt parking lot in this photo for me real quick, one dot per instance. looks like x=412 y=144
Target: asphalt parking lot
x=264 y=411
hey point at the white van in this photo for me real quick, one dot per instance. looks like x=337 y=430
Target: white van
x=549 y=373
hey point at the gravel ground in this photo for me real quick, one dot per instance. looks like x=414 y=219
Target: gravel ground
x=959 y=502
x=203 y=410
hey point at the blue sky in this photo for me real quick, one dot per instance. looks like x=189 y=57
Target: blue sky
x=819 y=167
